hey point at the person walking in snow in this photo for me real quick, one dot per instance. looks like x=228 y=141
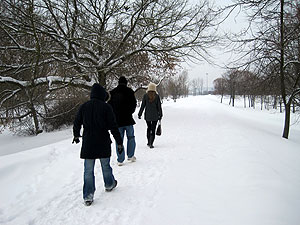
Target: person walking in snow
x=123 y=103
x=97 y=118
x=153 y=112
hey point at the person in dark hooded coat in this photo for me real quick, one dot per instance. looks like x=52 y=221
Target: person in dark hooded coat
x=97 y=118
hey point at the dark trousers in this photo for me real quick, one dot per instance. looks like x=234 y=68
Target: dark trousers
x=151 y=127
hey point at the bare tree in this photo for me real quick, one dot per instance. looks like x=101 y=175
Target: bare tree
x=220 y=87
x=232 y=80
x=178 y=86
x=270 y=44
x=50 y=45
x=197 y=86
x=95 y=37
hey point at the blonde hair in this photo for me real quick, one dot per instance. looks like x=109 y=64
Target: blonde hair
x=151 y=95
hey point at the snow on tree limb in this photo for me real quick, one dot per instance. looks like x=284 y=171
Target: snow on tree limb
x=50 y=80
x=295 y=62
x=10 y=95
x=11 y=80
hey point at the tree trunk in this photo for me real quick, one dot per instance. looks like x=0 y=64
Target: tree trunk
x=33 y=113
x=294 y=107
x=102 y=78
x=34 y=117
x=287 y=105
x=36 y=121
x=287 y=121
x=249 y=100
x=275 y=102
x=253 y=101
x=233 y=95
x=280 y=105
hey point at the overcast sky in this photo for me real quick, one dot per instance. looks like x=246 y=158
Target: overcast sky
x=210 y=72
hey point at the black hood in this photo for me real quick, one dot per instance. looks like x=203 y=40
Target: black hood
x=98 y=92
x=123 y=80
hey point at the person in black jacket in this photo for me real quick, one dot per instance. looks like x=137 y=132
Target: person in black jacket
x=97 y=118
x=123 y=103
x=153 y=112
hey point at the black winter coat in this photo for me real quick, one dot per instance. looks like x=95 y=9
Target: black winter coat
x=153 y=110
x=123 y=103
x=97 y=118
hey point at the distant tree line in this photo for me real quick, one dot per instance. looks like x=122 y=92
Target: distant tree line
x=269 y=67
x=196 y=86
x=173 y=87
x=251 y=87
x=177 y=86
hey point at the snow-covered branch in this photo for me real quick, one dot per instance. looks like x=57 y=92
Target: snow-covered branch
x=50 y=80
x=5 y=98
x=295 y=62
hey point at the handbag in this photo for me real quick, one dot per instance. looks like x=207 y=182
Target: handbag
x=158 y=130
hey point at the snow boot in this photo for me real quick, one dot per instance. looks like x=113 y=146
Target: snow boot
x=111 y=188
x=120 y=163
x=151 y=140
x=148 y=138
x=88 y=202
x=132 y=159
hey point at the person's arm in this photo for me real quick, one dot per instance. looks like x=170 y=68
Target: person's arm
x=133 y=102
x=142 y=107
x=78 y=123
x=77 y=126
x=112 y=125
x=160 y=113
x=109 y=100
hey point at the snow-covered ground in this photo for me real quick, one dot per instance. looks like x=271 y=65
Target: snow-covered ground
x=213 y=165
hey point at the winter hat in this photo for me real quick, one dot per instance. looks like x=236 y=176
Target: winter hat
x=98 y=92
x=151 y=87
x=122 y=80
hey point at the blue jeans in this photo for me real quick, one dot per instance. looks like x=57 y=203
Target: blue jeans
x=130 y=142
x=89 y=178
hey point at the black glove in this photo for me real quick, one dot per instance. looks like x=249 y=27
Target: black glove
x=76 y=140
x=120 y=149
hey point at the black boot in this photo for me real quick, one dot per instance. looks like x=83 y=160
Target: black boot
x=148 y=138
x=151 y=141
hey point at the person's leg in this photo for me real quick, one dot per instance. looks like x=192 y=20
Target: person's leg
x=130 y=141
x=152 y=132
x=148 y=132
x=89 y=179
x=121 y=157
x=108 y=177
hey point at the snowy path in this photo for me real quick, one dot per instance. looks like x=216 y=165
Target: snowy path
x=231 y=173
x=213 y=165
